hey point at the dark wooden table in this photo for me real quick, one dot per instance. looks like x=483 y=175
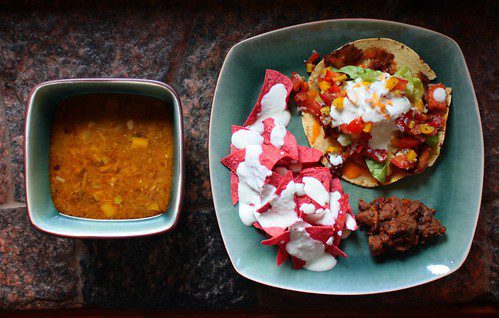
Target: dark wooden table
x=184 y=44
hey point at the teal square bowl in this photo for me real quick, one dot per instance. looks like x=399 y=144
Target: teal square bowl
x=43 y=100
x=453 y=186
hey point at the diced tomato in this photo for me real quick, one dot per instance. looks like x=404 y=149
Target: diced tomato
x=311 y=106
x=402 y=162
x=420 y=118
x=297 y=81
x=301 y=96
x=423 y=160
x=334 y=89
x=403 y=121
x=431 y=102
x=313 y=57
x=330 y=75
x=401 y=84
x=355 y=126
x=327 y=98
x=436 y=121
x=408 y=143
x=378 y=155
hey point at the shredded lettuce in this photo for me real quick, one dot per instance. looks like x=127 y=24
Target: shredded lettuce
x=378 y=170
x=365 y=74
x=414 y=89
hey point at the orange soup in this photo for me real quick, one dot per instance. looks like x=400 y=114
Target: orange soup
x=111 y=156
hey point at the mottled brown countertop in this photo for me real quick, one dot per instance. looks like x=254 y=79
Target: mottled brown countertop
x=184 y=44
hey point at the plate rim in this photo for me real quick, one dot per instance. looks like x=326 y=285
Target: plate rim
x=213 y=161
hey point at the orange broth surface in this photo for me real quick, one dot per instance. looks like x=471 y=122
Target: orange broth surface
x=111 y=156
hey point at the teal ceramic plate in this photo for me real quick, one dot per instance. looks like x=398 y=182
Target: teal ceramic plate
x=453 y=186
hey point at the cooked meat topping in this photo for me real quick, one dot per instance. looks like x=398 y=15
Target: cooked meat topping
x=381 y=60
x=346 y=55
x=395 y=225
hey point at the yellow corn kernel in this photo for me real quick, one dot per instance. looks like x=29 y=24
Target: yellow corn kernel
x=153 y=206
x=340 y=78
x=338 y=103
x=411 y=155
x=324 y=70
x=390 y=84
x=324 y=86
x=411 y=124
x=367 y=127
x=419 y=105
x=108 y=209
x=310 y=67
x=139 y=142
x=427 y=129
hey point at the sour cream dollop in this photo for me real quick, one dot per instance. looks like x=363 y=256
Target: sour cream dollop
x=374 y=103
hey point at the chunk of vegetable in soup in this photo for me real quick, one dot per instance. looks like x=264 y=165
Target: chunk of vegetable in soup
x=111 y=156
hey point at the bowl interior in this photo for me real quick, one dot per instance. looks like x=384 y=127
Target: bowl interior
x=43 y=102
x=452 y=187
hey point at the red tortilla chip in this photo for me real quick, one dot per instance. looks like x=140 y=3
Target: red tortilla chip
x=320 y=233
x=290 y=145
x=269 y=157
x=297 y=263
x=234 y=184
x=282 y=255
x=282 y=239
x=335 y=251
x=271 y=78
x=308 y=155
x=282 y=185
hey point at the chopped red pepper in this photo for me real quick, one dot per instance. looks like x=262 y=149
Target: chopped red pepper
x=355 y=126
x=313 y=57
x=408 y=143
x=401 y=84
x=334 y=89
x=402 y=162
x=378 y=155
x=431 y=102
x=309 y=105
x=327 y=97
x=297 y=81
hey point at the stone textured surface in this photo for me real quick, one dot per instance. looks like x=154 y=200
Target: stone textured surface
x=185 y=43
x=36 y=270
x=66 y=42
x=185 y=268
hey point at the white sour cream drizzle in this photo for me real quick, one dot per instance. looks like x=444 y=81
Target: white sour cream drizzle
x=361 y=102
x=282 y=212
x=330 y=215
x=277 y=135
x=311 y=251
x=274 y=105
x=314 y=189
x=252 y=175
x=246 y=137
